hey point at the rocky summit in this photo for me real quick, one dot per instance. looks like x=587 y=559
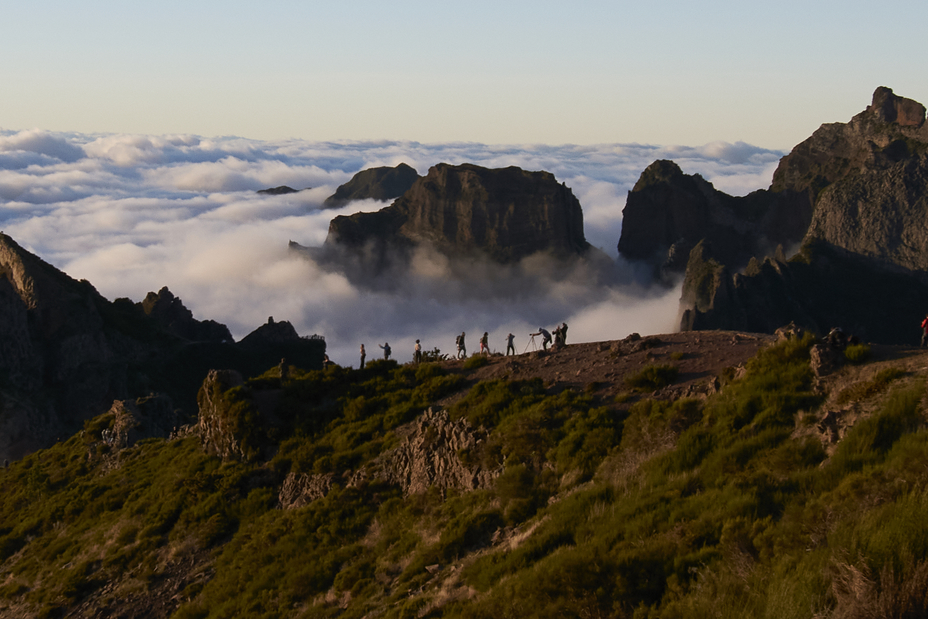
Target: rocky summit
x=853 y=198
x=384 y=183
x=505 y=214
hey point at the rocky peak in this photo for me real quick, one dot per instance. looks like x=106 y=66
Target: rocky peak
x=667 y=213
x=384 y=183
x=891 y=108
x=174 y=317
x=506 y=214
x=272 y=332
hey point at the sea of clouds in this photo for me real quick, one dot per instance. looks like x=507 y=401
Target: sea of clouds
x=134 y=213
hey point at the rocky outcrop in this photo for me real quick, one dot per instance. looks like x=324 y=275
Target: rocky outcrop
x=223 y=425
x=67 y=353
x=281 y=190
x=301 y=489
x=504 y=214
x=172 y=316
x=818 y=289
x=135 y=420
x=430 y=456
x=864 y=255
x=280 y=332
x=384 y=183
x=667 y=213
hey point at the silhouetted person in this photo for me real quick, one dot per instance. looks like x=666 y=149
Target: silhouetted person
x=485 y=344
x=386 y=350
x=545 y=337
x=462 y=348
x=510 y=345
x=417 y=357
x=363 y=355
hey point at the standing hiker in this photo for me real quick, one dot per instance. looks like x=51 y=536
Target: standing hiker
x=485 y=344
x=363 y=355
x=417 y=356
x=386 y=350
x=462 y=349
x=510 y=345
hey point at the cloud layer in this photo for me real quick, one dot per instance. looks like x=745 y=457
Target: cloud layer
x=133 y=213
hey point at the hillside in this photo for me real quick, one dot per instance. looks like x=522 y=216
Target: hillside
x=696 y=474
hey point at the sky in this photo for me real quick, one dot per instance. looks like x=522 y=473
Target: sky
x=133 y=137
x=501 y=72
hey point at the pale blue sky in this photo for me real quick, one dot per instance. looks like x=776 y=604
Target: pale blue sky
x=581 y=72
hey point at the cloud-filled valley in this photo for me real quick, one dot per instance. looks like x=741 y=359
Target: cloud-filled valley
x=133 y=213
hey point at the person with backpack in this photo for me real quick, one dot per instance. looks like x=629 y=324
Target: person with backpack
x=462 y=349
x=485 y=344
x=386 y=350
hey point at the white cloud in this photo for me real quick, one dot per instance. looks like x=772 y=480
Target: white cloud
x=134 y=213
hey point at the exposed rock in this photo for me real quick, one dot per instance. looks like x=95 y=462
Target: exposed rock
x=505 y=214
x=825 y=359
x=171 y=314
x=301 y=489
x=278 y=191
x=864 y=256
x=383 y=183
x=271 y=333
x=667 y=213
x=219 y=427
x=430 y=456
x=134 y=420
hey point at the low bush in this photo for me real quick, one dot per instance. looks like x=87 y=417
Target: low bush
x=857 y=353
x=652 y=377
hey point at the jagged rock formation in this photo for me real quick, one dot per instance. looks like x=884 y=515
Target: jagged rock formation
x=864 y=255
x=301 y=489
x=67 y=353
x=505 y=214
x=220 y=426
x=668 y=212
x=383 y=183
x=430 y=456
x=134 y=420
x=171 y=314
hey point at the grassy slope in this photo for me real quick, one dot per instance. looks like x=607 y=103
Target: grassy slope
x=726 y=507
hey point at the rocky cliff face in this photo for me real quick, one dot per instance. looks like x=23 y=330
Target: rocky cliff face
x=67 y=353
x=667 y=213
x=383 y=183
x=505 y=214
x=865 y=250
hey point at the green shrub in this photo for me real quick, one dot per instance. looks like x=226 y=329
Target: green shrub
x=652 y=377
x=857 y=353
x=476 y=361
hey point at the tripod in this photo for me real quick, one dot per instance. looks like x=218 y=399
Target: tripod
x=531 y=343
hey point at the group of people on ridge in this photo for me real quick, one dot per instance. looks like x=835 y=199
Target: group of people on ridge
x=560 y=339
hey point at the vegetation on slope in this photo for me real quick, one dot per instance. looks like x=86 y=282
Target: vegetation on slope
x=723 y=507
